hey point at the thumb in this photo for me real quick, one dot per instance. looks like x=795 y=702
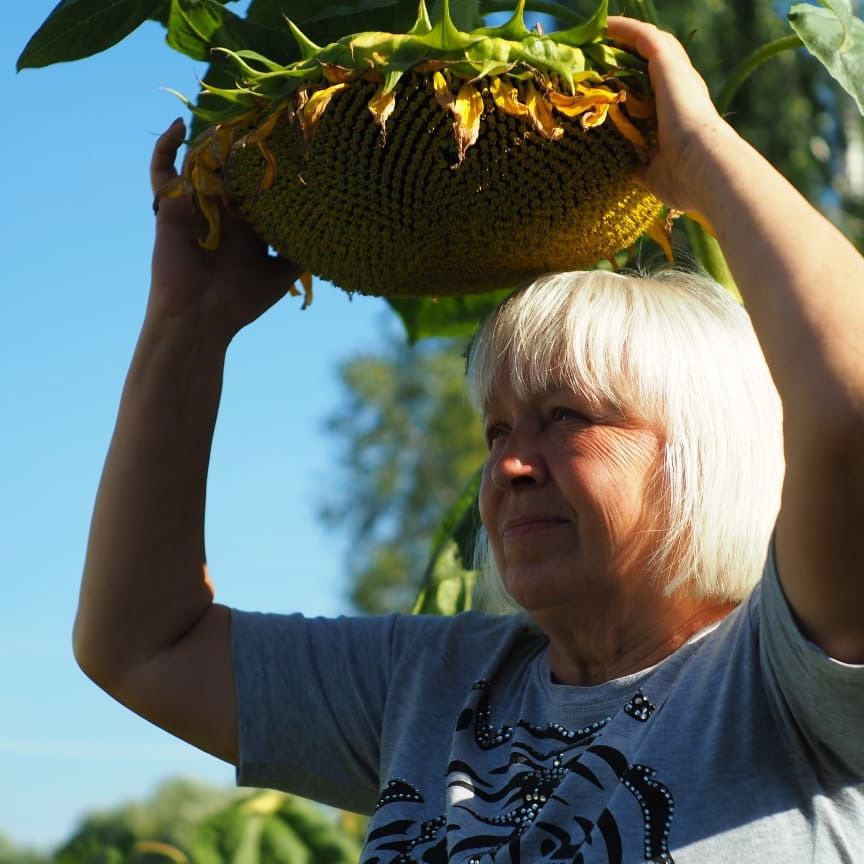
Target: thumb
x=162 y=170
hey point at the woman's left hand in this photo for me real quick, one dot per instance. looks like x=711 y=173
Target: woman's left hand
x=686 y=115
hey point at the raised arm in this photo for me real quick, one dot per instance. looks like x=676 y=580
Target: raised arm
x=803 y=285
x=147 y=629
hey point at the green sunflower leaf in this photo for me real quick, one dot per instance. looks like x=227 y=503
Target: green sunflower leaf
x=448 y=584
x=195 y=26
x=836 y=38
x=447 y=316
x=326 y=22
x=80 y=28
x=348 y=9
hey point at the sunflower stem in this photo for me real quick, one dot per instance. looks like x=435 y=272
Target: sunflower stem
x=749 y=64
x=545 y=7
x=708 y=253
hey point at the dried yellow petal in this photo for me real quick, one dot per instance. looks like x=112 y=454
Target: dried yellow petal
x=629 y=131
x=506 y=98
x=210 y=209
x=315 y=107
x=306 y=282
x=176 y=188
x=263 y=131
x=595 y=117
x=269 y=175
x=205 y=181
x=574 y=106
x=541 y=114
x=336 y=74
x=601 y=94
x=643 y=109
x=381 y=105
x=442 y=90
x=467 y=108
x=660 y=232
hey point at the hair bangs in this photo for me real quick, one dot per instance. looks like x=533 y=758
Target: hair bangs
x=594 y=341
x=548 y=337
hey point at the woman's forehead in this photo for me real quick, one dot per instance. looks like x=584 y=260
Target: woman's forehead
x=507 y=388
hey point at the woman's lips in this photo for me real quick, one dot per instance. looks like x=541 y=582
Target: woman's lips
x=526 y=525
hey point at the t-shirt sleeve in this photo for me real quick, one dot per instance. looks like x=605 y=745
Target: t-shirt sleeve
x=310 y=697
x=821 y=700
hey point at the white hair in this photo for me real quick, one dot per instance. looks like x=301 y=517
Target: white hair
x=674 y=350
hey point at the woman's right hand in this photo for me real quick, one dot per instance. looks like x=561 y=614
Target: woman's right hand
x=227 y=288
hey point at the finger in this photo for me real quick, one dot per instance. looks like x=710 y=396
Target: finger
x=676 y=82
x=633 y=33
x=162 y=168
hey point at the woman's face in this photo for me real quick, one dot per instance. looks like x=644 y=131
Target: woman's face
x=566 y=498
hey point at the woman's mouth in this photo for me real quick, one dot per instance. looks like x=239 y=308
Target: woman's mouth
x=524 y=526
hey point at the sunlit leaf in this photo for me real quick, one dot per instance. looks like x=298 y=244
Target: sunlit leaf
x=196 y=27
x=448 y=587
x=80 y=28
x=836 y=38
x=843 y=10
x=448 y=584
x=449 y=316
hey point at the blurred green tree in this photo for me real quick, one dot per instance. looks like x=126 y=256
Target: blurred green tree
x=171 y=816
x=12 y=854
x=190 y=823
x=407 y=442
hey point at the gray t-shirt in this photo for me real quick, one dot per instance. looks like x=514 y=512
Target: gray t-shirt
x=746 y=744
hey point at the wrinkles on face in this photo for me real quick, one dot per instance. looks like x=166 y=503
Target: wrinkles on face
x=586 y=477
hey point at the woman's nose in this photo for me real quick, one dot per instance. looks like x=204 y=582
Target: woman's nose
x=519 y=463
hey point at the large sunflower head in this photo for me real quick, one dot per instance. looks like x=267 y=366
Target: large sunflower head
x=433 y=162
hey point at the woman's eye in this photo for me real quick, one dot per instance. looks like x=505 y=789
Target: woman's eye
x=564 y=415
x=493 y=433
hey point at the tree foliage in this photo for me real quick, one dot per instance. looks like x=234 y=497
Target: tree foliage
x=408 y=442
x=12 y=854
x=171 y=816
x=189 y=823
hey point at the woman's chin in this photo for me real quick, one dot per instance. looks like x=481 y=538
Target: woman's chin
x=535 y=594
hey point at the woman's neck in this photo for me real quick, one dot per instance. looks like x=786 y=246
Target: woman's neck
x=588 y=647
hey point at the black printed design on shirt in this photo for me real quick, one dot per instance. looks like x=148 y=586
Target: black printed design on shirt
x=523 y=793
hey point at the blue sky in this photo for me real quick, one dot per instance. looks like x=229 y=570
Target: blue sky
x=76 y=235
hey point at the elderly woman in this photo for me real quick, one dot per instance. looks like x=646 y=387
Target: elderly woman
x=682 y=683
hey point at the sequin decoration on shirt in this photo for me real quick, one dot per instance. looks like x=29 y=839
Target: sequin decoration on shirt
x=520 y=793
